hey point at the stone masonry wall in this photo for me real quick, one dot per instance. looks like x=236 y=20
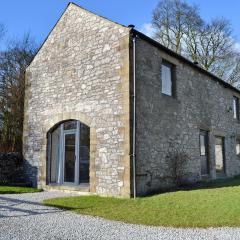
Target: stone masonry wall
x=164 y=122
x=82 y=73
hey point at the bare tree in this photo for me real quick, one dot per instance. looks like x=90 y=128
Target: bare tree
x=172 y=19
x=179 y=27
x=177 y=158
x=2 y=32
x=213 y=48
x=13 y=63
x=234 y=78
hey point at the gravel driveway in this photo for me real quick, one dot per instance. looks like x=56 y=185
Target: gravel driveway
x=23 y=217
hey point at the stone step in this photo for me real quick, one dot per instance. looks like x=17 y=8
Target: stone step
x=82 y=189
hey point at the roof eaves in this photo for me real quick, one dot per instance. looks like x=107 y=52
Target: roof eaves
x=181 y=58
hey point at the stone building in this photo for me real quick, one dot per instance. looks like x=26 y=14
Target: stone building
x=110 y=111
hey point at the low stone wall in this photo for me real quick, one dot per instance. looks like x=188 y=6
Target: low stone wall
x=11 y=168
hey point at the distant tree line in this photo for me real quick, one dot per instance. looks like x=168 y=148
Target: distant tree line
x=13 y=61
x=179 y=26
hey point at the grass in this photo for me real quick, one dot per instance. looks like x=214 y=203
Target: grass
x=216 y=204
x=15 y=190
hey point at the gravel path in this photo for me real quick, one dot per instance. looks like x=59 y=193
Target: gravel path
x=23 y=217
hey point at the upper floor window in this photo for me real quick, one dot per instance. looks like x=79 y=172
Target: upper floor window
x=236 y=107
x=167 y=78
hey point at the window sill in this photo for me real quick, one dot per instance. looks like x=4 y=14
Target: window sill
x=164 y=94
x=169 y=96
x=236 y=120
x=172 y=99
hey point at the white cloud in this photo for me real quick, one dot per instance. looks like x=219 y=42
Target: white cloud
x=147 y=29
x=237 y=46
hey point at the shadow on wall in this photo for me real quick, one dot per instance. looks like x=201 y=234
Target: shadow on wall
x=16 y=171
x=204 y=184
x=30 y=173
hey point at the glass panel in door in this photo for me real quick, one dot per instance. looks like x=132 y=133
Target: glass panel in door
x=70 y=157
x=54 y=169
x=84 y=146
x=203 y=141
x=219 y=155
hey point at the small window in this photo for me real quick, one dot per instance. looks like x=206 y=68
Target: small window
x=167 y=78
x=238 y=146
x=236 y=108
x=202 y=142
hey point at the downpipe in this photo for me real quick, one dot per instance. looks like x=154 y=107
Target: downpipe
x=134 y=120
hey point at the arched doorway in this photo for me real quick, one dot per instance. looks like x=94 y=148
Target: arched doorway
x=68 y=153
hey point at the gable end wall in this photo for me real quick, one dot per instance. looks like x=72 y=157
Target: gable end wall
x=82 y=72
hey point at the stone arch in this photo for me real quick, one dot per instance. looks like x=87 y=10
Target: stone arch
x=61 y=117
x=53 y=121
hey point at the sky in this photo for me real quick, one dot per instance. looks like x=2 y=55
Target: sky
x=39 y=16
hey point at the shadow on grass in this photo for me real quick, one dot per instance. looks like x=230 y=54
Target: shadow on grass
x=17 y=189
x=15 y=192
x=13 y=207
x=205 y=184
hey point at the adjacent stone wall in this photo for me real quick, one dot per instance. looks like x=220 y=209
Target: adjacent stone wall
x=82 y=73
x=165 y=123
x=11 y=168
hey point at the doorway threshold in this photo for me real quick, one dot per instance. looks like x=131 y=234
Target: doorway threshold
x=81 y=189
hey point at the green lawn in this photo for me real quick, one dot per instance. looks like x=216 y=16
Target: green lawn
x=14 y=190
x=215 y=204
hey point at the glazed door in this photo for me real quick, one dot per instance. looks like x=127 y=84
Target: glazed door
x=68 y=154
x=219 y=155
x=203 y=140
x=69 y=157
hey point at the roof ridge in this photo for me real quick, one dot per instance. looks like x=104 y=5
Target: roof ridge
x=96 y=14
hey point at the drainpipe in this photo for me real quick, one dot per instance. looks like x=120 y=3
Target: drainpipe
x=134 y=117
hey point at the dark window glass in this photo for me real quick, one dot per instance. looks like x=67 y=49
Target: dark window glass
x=70 y=125
x=84 y=150
x=69 y=162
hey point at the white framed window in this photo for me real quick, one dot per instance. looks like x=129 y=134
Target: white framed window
x=236 y=107
x=167 y=78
